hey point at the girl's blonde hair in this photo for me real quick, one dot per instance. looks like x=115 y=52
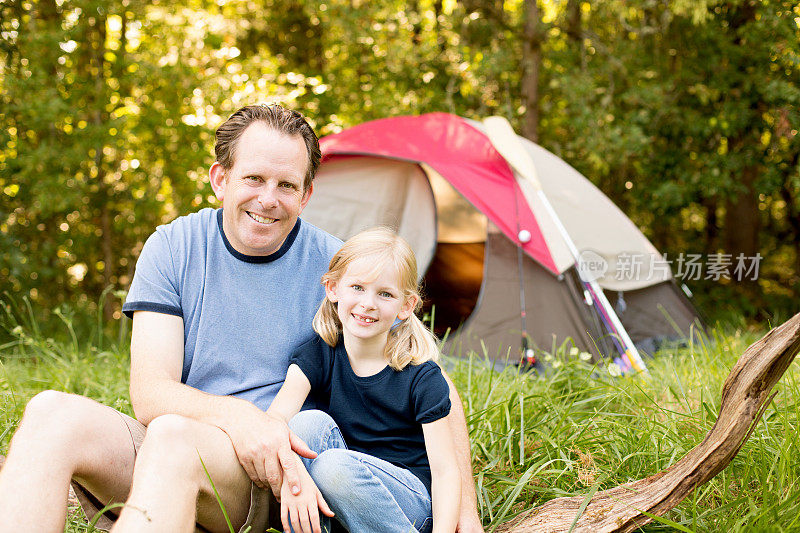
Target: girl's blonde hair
x=410 y=342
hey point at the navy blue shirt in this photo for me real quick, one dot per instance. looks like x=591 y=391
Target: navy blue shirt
x=380 y=415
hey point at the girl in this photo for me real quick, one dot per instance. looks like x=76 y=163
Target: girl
x=384 y=446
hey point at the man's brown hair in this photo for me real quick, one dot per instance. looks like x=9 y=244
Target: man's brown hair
x=274 y=116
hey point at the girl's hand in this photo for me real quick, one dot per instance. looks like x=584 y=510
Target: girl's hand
x=301 y=511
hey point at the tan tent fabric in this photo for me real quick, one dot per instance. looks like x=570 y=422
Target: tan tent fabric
x=457 y=220
x=592 y=221
x=355 y=193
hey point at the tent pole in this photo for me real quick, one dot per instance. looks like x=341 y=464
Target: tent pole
x=597 y=292
x=505 y=141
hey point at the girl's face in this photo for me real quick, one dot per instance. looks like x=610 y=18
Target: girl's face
x=368 y=304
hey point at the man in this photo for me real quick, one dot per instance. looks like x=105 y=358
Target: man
x=219 y=300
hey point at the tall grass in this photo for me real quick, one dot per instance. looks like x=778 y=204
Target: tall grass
x=571 y=431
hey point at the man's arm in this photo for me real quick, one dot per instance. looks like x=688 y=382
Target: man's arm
x=468 y=520
x=261 y=442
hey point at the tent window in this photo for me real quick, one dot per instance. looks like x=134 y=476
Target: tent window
x=452 y=284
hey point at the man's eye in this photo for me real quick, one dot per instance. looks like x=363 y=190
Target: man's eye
x=288 y=185
x=253 y=178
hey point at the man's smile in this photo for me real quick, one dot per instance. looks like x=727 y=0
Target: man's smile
x=259 y=218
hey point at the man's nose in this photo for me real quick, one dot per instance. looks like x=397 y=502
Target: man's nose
x=267 y=196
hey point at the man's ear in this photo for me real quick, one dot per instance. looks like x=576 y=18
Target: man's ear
x=408 y=307
x=306 y=197
x=330 y=290
x=217 y=177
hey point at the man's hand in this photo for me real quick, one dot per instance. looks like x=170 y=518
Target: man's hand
x=301 y=509
x=469 y=521
x=264 y=445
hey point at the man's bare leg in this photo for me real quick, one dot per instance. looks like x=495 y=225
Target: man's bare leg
x=60 y=436
x=170 y=483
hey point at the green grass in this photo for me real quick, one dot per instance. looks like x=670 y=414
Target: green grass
x=571 y=432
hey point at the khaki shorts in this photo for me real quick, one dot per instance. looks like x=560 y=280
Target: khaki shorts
x=264 y=509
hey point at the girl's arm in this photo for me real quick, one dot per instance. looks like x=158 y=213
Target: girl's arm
x=293 y=393
x=298 y=508
x=445 y=475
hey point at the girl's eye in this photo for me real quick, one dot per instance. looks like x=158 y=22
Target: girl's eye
x=386 y=294
x=357 y=287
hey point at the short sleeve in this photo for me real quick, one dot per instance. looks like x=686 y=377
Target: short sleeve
x=430 y=394
x=154 y=286
x=314 y=358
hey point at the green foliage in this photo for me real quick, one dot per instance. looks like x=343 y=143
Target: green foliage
x=577 y=429
x=684 y=112
x=572 y=431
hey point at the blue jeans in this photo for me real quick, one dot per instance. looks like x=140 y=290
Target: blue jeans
x=367 y=494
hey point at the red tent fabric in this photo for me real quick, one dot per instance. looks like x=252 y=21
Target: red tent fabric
x=462 y=155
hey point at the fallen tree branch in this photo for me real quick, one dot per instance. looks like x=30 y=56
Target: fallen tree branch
x=745 y=396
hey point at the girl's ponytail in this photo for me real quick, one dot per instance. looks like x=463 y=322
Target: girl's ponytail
x=411 y=343
x=326 y=323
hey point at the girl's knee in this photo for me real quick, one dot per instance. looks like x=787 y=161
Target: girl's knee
x=333 y=471
x=311 y=423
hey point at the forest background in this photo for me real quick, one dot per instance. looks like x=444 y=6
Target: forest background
x=685 y=112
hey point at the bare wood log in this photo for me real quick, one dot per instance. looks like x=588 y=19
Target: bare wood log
x=745 y=396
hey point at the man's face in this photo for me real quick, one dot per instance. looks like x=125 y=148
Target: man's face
x=262 y=195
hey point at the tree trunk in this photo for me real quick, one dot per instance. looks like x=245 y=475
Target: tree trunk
x=96 y=39
x=712 y=225
x=533 y=38
x=574 y=29
x=790 y=198
x=742 y=224
x=416 y=26
x=745 y=396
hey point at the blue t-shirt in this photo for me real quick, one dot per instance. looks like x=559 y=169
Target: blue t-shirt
x=242 y=315
x=380 y=415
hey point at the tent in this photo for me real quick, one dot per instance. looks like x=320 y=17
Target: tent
x=442 y=184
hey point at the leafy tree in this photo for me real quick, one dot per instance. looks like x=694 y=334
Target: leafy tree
x=685 y=112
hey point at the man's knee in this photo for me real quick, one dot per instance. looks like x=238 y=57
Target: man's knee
x=57 y=415
x=46 y=405
x=169 y=432
x=171 y=444
x=308 y=424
